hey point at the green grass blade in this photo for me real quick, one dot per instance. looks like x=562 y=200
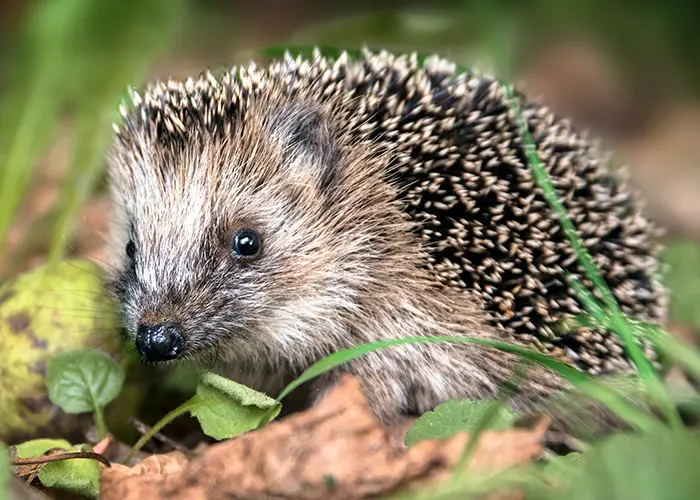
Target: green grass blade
x=26 y=139
x=610 y=398
x=592 y=306
x=617 y=321
x=94 y=132
x=550 y=195
x=614 y=322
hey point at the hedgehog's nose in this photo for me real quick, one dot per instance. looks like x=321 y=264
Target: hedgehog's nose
x=159 y=342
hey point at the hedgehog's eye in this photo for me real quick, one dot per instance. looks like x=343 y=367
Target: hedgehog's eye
x=131 y=249
x=246 y=243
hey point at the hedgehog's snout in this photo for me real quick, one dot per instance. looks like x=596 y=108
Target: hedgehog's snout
x=158 y=343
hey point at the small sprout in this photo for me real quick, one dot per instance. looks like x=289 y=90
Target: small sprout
x=84 y=380
x=224 y=408
x=330 y=482
x=455 y=416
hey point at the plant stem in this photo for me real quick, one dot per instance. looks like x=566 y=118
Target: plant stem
x=100 y=423
x=188 y=405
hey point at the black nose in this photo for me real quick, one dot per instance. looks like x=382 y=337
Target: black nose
x=159 y=342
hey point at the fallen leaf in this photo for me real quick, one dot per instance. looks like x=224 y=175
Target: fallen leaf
x=337 y=450
x=161 y=464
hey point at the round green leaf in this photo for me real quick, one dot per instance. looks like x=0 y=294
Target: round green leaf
x=83 y=379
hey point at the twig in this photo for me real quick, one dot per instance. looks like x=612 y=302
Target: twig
x=69 y=455
x=144 y=429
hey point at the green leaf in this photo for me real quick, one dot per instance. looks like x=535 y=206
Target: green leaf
x=78 y=475
x=224 y=408
x=36 y=447
x=227 y=409
x=565 y=466
x=454 y=416
x=83 y=380
x=660 y=465
x=4 y=470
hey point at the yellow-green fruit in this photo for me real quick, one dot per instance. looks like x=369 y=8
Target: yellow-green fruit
x=53 y=308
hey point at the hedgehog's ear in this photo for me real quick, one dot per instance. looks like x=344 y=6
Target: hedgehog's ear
x=306 y=139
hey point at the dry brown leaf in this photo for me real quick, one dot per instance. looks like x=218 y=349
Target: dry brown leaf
x=161 y=465
x=337 y=450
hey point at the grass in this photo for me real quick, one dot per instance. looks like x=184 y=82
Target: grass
x=75 y=55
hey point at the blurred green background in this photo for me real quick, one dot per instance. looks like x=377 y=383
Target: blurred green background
x=629 y=71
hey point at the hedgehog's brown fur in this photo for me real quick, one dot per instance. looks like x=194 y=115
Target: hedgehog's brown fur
x=394 y=199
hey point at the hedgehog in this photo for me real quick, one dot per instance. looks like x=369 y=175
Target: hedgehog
x=269 y=216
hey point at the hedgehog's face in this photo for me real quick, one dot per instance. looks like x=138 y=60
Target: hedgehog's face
x=243 y=249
